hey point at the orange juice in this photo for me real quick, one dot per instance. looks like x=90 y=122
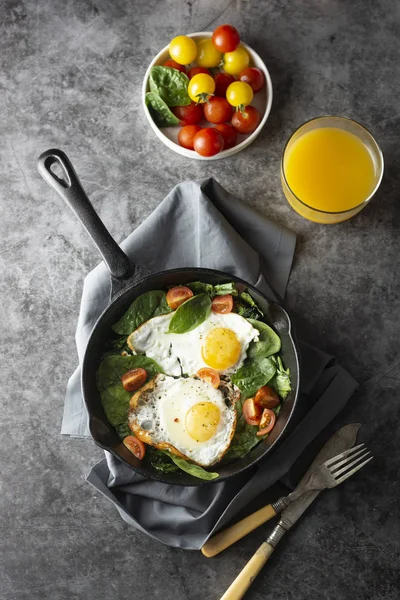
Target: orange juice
x=330 y=170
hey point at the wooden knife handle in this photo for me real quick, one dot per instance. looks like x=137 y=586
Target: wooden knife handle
x=243 y=581
x=229 y=536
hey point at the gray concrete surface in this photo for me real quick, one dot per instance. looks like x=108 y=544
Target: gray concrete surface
x=70 y=77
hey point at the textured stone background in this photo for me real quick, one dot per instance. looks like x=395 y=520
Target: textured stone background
x=71 y=73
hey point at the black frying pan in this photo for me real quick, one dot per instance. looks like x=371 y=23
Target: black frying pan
x=129 y=281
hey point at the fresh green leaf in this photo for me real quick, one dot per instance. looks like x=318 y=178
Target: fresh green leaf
x=160 y=460
x=160 y=112
x=116 y=347
x=148 y=305
x=225 y=288
x=190 y=314
x=254 y=374
x=281 y=381
x=114 y=398
x=248 y=312
x=199 y=287
x=123 y=430
x=269 y=342
x=170 y=84
x=193 y=469
x=243 y=441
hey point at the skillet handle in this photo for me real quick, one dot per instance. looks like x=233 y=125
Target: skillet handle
x=71 y=191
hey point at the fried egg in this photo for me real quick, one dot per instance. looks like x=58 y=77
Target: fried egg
x=186 y=416
x=220 y=342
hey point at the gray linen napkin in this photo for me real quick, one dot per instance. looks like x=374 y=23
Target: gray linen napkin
x=203 y=225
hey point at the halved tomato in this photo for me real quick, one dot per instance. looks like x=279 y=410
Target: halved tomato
x=251 y=412
x=267 y=421
x=266 y=397
x=178 y=295
x=135 y=445
x=210 y=375
x=222 y=304
x=134 y=379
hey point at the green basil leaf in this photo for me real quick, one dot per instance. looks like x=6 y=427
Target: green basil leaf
x=170 y=84
x=160 y=112
x=269 y=342
x=253 y=375
x=114 y=398
x=192 y=469
x=148 y=305
x=190 y=314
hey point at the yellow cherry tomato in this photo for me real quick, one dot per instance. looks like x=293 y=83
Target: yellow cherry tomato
x=183 y=49
x=201 y=87
x=239 y=94
x=207 y=54
x=236 y=61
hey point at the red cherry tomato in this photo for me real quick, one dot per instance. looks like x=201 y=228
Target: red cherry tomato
x=175 y=65
x=218 y=110
x=134 y=379
x=208 y=142
x=226 y=38
x=254 y=77
x=186 y=136
x=210 y=375
x=222 y=304
x=228 y=133
x=190 y=114
x=222 y=82
x=266 y=397
x=196 y=70
x=179 y=294
x=267 y=421
x=135 y=445
x=246 y=121
x=251 y=412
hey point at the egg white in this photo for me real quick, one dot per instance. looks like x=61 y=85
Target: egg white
x=158 y=416
x=180 y=353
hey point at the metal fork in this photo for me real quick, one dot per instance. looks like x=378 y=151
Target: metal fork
x=330 y=474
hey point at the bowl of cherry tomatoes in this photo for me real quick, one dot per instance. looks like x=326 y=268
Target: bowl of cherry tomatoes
x=207 y=95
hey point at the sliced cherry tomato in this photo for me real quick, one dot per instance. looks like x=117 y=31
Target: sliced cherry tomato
x=246 y=121
x=222 y=82
x=254 y=77
x=208 y=142
x=267 y=421
x=183 y=49
x=196 y=70
x=266 y=397
x=179 y=294
x=210 y=375
x=228 y=133
x=135 y=445
x=186 y=135
x=190 y=114
x=251 y=412
x=218 y=110
x=134 y=379
x=222 y=304
x=175 y=65
x=226 y=38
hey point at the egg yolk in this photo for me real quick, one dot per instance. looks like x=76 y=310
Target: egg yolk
x=202 y=420
x=221 y=348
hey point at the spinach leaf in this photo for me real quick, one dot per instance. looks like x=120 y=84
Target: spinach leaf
x=281 y=381
x=192 y=469
x=150 y=304
x=160 y=460
x=190 y=314
x=116 y=347
x=123 y=430
x=243 y=441
x=225 y=288
x=114 y=398
x=254 y=374
x=159 y=111
x=199 y=287
x=269 y=342
x=247 y=308
x=171 y=85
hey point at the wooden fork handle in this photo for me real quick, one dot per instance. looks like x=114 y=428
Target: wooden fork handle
x=229 y=536
x=243 y=581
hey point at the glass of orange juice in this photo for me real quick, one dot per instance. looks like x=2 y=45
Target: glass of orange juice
x=331 y=168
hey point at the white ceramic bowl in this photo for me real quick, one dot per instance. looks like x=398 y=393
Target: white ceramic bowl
x=169 y=135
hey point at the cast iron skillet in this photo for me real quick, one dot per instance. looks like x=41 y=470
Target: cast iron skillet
x=129 y=281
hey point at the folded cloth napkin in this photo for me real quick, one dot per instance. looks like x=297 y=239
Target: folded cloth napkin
x=202 y=225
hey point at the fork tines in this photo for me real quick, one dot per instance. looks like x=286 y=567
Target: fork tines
x=356 y=457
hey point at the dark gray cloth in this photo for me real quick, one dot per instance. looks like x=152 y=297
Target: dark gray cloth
x=203 y=225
